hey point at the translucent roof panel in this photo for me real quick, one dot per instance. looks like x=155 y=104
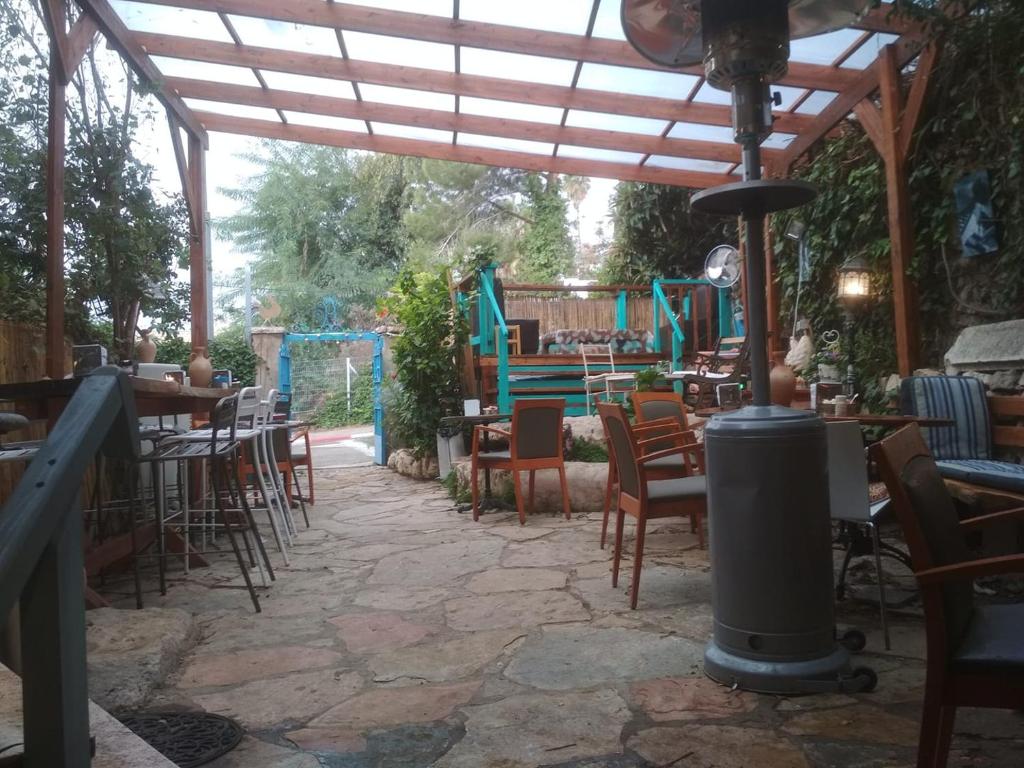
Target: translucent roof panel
x=571 y=16
x=326 y=121
x=233 y=110
x=867 y=53
x=412 y=132
x=300 y=38
x=608 y=23
x=320 y=86
x=789 y=96
x=141 y=17
x=823 y=49
x=688 y=164
x=510 y=110
x=643 y=82
x=517 y=66
x=511 y=145
x=708 y=94
x=816 y=102
x=396 y=50
x=699 y=132
x=581 y=119
x=430 y=7
x=605 y=155
x=406 y=97
x=198 y=70
x=778 y=140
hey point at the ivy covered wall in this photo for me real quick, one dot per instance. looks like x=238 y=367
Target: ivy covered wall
x=973 y=119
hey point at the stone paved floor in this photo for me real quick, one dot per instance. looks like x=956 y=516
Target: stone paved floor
x=406 y=635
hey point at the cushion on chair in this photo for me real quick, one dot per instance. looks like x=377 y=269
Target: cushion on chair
x=681 y=488
x=495 y=455
x=1003 y=475
x=667 y=462
x=961 y=398
x=993 y=640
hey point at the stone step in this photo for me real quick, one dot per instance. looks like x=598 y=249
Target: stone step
x=116 y=746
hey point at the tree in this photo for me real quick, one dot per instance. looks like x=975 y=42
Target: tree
x=576 y=189
x=657 y=234
x=546 y=248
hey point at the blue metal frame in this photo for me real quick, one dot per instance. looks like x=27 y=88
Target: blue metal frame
x=284 y=375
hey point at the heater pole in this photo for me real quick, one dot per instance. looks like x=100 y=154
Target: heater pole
x=757 y=308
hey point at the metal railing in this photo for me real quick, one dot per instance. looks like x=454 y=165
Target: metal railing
x=41 y=568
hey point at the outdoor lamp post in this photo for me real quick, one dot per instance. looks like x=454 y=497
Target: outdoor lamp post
x=854 y=289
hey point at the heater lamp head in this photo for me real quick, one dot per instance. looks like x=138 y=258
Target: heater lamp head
x=671 y=32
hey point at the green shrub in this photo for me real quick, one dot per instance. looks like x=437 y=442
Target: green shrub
x=335 y=411
x=589 y=451
x=228 y=349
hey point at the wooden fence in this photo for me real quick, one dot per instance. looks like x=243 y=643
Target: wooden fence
x=558 y=312
x=22 y=358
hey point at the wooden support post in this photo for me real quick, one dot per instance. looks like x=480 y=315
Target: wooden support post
x=891 y=130
x=55 y=147
x=197 y=245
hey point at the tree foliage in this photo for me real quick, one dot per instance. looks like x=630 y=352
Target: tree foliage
x=546 y=248
x=657 y=234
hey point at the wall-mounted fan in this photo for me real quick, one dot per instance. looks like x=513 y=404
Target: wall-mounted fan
x=723 y=266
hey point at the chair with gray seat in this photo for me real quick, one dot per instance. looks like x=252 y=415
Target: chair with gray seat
x=640 y=496
x=534 y=442
x=975 y=652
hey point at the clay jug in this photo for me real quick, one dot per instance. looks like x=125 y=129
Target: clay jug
x=200 y=370
x=782 y=382
x=145 y=350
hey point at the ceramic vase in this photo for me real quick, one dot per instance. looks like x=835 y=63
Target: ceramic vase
x=782 y=382
x=200 y=370
x=145 y=350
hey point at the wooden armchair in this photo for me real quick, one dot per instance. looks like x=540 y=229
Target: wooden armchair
x=975 y=653
x=730 y=366
x=534 y=442
x=641 y=494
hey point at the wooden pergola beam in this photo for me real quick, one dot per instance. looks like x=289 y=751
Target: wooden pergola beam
x=318 y=65
x=459 y=153
x=477 y=34
x=120 y=39
x=461 y=122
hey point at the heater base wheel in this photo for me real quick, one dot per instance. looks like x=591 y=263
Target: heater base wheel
x=868 y=678
x=854 y=640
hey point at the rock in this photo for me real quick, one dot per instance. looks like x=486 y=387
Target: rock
x=210 y=670
x=984 y=378
x=264 y=704
x=862 y=723
x=440 y=565
x=531 y=730
x=516 y=580
x=586 y=481
x=1005 y=381
x=892 y=385
x=689 y=698
x=378 y=631
x=404 y=462
x=563 y=658
x=397 y=706
x=452 y=660
x=716 y=746
x=991 y=347
x=130 y=653
x=513 y=610
x=586 y=428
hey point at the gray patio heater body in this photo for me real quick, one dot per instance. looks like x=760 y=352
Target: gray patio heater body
x=768 y=500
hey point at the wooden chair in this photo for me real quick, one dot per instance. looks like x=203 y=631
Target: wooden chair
x=599 y=358
x=640 y=495
x=709 y=371
x=975 y=653
x=515 y=339
x=534 y=442
x=649 y=406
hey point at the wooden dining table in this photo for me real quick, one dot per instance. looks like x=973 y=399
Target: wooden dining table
x=890 y=420
x=44 y=400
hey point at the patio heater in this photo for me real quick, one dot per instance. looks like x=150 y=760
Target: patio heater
x=768 y=498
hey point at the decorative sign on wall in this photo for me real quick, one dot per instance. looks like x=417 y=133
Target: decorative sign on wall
x=975 y=215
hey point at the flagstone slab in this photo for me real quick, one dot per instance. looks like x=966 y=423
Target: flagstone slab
x=400 y=598
x=716 y=746
x=660 y=586
x=579 y=656
x=452 y=660
x=862 y=723
x=292 y=699
x=438 y=565
x=689 y=698
x=547 y=553
x=516 y=580
x=693 y=620
x=386 y=707
x=378 y=631
x=252 y=752
x=335 y=740
x=516 y=532
x=210 y=670
x=540 y=729
x=513 y=610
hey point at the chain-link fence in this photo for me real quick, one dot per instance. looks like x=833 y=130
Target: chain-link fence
x=332 y=382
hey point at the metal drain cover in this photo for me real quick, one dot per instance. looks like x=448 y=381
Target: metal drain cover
x=187 y=739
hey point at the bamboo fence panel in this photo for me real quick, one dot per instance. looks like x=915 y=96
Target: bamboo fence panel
x=573 y=312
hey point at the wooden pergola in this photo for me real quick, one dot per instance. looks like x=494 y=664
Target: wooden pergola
x=453 y=82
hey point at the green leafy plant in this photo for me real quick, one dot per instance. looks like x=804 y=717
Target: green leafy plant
x=646 y=379
x=335 y=410
x=228 y=349
x=590 y=451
